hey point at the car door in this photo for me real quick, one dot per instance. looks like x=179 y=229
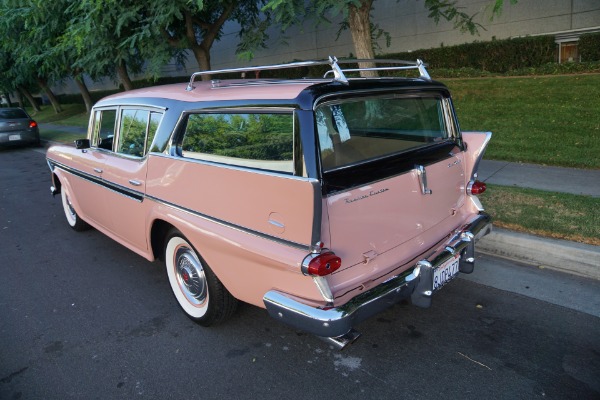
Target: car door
x=88 y=164
x=124 y=174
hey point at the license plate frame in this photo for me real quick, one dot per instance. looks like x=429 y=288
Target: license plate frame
x=14 y=137
x=445 y=273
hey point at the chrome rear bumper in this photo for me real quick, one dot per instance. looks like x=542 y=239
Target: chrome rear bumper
x=415 y=283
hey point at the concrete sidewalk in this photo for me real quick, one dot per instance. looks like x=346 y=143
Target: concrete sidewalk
x=553 y=179
x=576 y=258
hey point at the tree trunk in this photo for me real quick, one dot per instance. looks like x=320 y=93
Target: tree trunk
x=203 y=59
x=53 y=100
x=20 y=98
x=124 y=76
x=359 y=21
x=29 y=98
x=202 y=50
x=85 y=93
x=7 y=96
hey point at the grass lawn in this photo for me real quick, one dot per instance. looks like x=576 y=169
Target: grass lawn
x=58 y=136
x=556 y=215
x=73 y=114
x=551 y=120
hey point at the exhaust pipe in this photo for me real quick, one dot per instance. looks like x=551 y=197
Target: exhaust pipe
x=340 y=342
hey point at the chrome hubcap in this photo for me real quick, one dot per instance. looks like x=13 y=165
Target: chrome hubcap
x=190 y=276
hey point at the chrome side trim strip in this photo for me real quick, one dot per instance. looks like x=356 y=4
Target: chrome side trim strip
x=139 y=196
x=132 y=194
x=229 y=224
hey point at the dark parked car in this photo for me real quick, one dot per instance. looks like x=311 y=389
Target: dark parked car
x=17 y=128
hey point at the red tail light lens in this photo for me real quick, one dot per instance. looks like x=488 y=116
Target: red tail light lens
x=32 y=124
x=321 y=264
x=476 y=188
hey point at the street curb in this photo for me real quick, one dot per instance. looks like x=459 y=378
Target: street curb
x=571 y=257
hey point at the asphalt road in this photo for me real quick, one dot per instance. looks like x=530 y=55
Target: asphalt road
x=81 y=317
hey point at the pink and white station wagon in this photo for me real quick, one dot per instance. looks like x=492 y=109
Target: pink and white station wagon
x=324 y=201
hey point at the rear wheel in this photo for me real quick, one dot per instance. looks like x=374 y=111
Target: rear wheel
x=73 y=219
x=198 y=291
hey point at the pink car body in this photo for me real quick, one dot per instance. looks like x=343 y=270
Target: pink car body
x=279 y=194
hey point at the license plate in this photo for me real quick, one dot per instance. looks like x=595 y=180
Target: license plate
x=445 y=273
x=14 y=137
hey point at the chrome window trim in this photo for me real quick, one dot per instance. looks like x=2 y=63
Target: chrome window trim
x=175 y=151
x=237 y=168
x=117 y=136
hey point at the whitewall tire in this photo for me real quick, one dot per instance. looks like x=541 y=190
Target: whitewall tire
x=198 y=291
x=73 y=219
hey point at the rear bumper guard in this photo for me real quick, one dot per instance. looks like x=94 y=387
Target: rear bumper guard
x=416 y=284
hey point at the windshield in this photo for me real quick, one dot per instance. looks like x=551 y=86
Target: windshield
x=369 y=128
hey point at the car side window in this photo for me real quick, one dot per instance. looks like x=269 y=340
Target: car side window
x=104 y=129
x=254 y=140
x=132 y=133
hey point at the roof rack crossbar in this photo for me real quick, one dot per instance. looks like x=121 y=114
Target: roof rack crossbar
x=338 y=73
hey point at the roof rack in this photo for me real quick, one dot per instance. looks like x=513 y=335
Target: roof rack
x=333 y=62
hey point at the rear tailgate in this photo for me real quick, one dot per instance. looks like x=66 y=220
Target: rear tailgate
x=392 y=182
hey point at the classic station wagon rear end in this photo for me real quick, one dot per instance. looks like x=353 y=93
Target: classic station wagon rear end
x=324 y=201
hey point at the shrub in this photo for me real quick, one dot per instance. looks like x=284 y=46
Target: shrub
x=493 y=56
x=589 y=47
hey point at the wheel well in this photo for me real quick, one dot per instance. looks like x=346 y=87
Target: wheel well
x=56 y=183
x=159 y=232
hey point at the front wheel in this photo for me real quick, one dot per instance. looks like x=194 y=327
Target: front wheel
x=198 y=291
x=73 y=219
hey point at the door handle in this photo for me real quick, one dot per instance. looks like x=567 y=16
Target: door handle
x=98 y=170
x=422 y=174
x=135 y=183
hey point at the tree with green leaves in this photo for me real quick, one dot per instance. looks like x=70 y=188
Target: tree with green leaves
x=356 y=16
x=196 y=25
x=25 y=28
x=100 y=32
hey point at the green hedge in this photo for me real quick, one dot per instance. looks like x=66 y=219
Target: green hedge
x=589 y=47
x=493 y=56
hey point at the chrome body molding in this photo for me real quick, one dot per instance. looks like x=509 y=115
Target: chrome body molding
x=127 y=192
x=415 y=283
x=139 y=196
x=231 y=225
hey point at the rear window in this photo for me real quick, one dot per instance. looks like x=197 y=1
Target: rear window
x=13 y=114
x=358 y=130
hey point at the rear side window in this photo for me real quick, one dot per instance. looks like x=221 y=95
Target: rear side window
x=254 y=140
x=359 y=130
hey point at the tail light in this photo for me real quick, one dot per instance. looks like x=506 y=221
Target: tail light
x=476 y=187
x=321 y=264
x=32 y=124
